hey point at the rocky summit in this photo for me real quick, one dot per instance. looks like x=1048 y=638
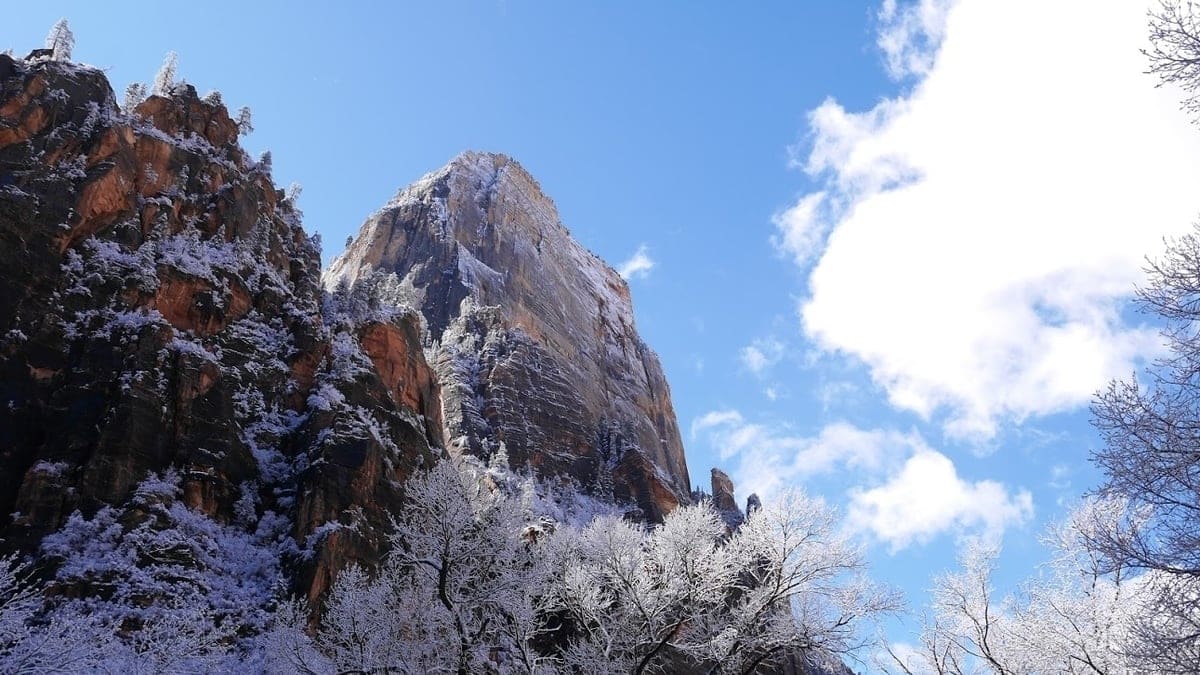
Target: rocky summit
x=162 y=319
x=161 y=316
x=532 y=336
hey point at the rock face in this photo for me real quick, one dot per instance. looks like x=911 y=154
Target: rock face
x=160 y=310
x=724 y=500
x=532 y=336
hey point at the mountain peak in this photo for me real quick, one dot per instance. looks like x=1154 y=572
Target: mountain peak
x=469 y=160
x=483 y=168
x=485 y=171
x=494 y=212
x=547 y=328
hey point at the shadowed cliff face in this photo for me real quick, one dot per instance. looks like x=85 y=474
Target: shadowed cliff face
x=533 y=336
x=160 y=310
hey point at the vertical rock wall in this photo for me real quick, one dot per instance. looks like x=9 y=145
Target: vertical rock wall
x=532 y=336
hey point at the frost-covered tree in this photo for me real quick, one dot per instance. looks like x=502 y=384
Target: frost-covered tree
x=1174 y=51
x=1151 y=460
x=966 y=608
x=25 y=647
x=182 y=587
x=476 y=583
x=33 y=642
x=61 y=40
x=785 y=584
x=377 y=295
x=1076 y=616
x=806 y=587
x=152 y=587
x=164 y=80
x=460 y=543
x=935 y=654
x=244 y=122
x=135 y=93
x=635 y=601
x=1151 y=425
x=456 y=594
x=368 y=625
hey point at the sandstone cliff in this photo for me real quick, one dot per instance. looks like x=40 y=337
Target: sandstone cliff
x=160 y=312
x=187 y=419
x=533 y=337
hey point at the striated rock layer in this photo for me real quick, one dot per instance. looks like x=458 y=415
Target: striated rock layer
x=160 y=312
x=533 y=337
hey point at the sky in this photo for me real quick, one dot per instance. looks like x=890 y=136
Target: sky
x=884 y=249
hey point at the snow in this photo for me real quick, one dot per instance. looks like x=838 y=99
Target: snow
x=51 y=469
x=183 y=345
x=171 y=564
x=325 y=397
x=314 y=540
x=475 y=272
x=206 y=259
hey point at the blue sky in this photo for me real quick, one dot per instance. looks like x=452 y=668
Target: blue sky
x=891 y=242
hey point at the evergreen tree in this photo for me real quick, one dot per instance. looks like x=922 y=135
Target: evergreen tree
x=164 y=81
x=245 y=126
x=135 y=93
x=61 y=40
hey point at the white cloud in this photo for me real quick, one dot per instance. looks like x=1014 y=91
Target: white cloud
x=985 y=229
x=769 y=458
x=802 y=228
x=911 y=659
x=715 y=418
x=836 y=393
x=762 y=354
x=912 y=492
x=1060 y=477
x=927 y=497
x=638 y=266
x=909 y=32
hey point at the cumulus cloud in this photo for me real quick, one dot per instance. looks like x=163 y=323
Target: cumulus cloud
x=638 y=266
x=927 y=497
x=979 y=235
x=910 y=492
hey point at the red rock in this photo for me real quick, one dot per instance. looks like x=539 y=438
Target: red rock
x=130 y=361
